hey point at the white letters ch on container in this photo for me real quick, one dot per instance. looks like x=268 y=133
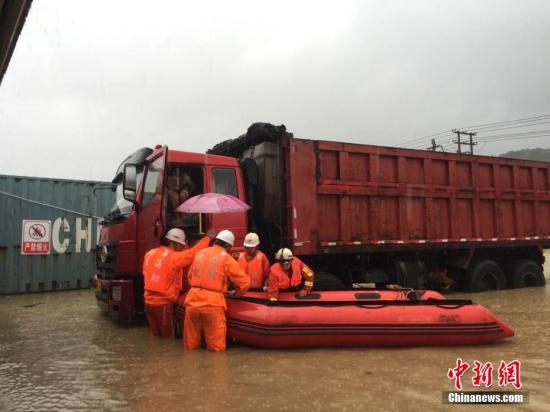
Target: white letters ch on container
x=61 y=235
x=60 y=247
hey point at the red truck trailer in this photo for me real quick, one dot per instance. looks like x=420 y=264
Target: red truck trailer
x=358 y=214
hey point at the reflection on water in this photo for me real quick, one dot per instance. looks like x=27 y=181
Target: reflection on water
x=57 y=351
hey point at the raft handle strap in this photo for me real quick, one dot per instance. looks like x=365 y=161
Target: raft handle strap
x=443 y=303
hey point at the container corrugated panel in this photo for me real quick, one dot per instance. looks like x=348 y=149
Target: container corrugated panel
x=71 y=262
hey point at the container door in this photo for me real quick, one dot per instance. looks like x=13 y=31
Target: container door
x=227 y=181
x=152 y=213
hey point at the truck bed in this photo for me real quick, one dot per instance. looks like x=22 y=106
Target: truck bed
x=339 y=197
x=351 y=194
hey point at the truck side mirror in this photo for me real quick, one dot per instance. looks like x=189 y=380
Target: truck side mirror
x=129 y=185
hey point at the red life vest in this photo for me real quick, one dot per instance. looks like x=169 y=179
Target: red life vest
x=284 y=281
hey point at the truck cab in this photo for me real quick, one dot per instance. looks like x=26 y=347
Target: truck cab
x=150 y=185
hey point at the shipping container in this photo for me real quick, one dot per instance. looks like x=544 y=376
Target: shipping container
x=72 y=209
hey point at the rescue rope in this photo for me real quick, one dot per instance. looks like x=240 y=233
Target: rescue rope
x=453 y=305
x=444 y=303
x=50 y=206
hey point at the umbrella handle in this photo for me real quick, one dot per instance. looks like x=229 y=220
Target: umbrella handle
x=201 y=231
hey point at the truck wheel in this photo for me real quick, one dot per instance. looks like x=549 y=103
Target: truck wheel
x=397 y=272
x=327 y=281
x=414 y=275
x=485 y=275
x=526 y=273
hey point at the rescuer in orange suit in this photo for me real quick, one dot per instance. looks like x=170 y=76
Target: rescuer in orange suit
x=289 y=273
x=162 y=277
x=254 y=262
x=205 y=304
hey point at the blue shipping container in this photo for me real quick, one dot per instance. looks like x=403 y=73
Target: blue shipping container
x=74 y=208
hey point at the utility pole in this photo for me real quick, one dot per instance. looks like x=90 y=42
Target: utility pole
x=434 y=146
x=461 y=142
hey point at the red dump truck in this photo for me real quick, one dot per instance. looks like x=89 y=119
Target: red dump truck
x=358 y=214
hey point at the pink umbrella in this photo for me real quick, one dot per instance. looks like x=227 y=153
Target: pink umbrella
x=212 y=203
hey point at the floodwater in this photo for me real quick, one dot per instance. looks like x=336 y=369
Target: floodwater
x=58 y=352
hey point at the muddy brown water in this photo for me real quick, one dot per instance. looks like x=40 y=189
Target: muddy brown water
x=58 y=352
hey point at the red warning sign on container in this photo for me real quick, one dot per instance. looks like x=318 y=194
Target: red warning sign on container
x=36 y=236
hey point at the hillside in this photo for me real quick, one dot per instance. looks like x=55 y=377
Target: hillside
x=529 y=154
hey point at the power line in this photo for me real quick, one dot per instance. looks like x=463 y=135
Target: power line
x=48 y=205
x=448 y=145
x=504 y=139
x=407 y=142
x=534 y=132
x=494 y=129
x=525 y=119
x=422 y=142
x=423 y=145
x=500 y=138
x=491 y=137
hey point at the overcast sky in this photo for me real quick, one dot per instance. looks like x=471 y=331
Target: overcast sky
x=91 y=81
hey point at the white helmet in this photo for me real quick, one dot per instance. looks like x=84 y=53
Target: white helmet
x=251 y=240
x=284 y=254
x=176 y=235
x=227 y=236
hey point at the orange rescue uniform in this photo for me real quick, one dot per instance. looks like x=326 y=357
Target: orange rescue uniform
x=205 y=304
x=257 y=267
x=298 y=273
x=162 y=277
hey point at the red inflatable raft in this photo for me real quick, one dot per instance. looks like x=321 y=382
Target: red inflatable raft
x=360 y=318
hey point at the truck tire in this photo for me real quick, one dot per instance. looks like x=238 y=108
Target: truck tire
x=409 y=274
x=327 y=281
x=397 y=272
x=485 y=275
x=525 y=273
x=414 y=275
